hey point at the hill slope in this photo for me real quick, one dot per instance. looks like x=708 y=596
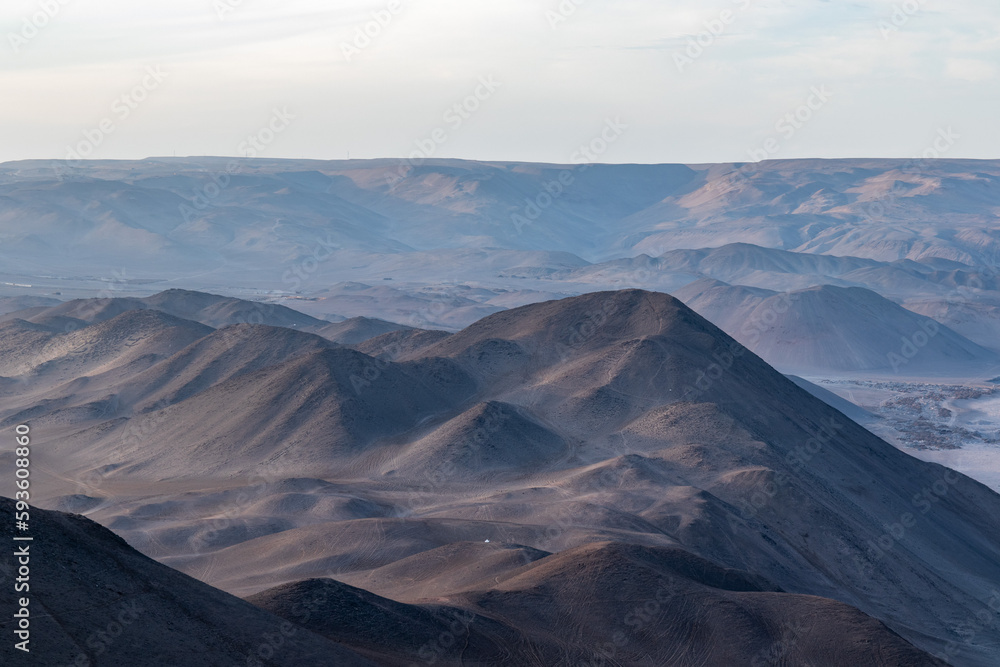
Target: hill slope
x=620 y=417
x=105 y=604
x=835 y=329
x=630 y=605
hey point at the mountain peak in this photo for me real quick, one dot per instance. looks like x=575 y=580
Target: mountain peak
x=580 y=323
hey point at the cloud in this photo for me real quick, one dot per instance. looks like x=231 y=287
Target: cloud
x=970 y=70
x=561 y=79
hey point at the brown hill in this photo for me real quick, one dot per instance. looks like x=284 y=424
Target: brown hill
x=94 y=600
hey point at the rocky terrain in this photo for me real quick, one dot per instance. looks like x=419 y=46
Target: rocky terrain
x=614 y=459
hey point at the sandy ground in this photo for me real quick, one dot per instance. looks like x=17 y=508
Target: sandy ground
x=955 y=422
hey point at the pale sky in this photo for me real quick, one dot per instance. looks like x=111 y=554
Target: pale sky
x=883 y=85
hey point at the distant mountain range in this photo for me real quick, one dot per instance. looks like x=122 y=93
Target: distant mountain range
x=836 y=329
x=820 y=330
x=190 y=210
x=450 y=242
x=450 y=413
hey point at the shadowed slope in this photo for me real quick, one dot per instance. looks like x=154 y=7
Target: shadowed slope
x=319 y=409
x=488 y=439
x=834 y=329
x=220 y=311
x=358 y=329
x=654 y=606
x=452 y=568
x=209 y=309
x=131 y=336
x=598 y=604
x=396 y=344
x=225 y=354
x=391 y=633
x=97 y=601
x=676 y=436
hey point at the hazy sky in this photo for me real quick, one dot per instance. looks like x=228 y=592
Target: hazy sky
x=126 y=79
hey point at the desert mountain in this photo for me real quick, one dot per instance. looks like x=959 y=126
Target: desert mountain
x=395 y=634
x=11 y=304
x=133 y=337
x=854 y=412
x=358 y=329
x=392 y=345
x=445 y=244
x=208 y=309
x=488 y=439
x=319 y=409
x=100 y=602
x=217 y=311
x=617 y=417
x=223 y=354
x=835 y=329
x=975 y=315
x=669 y=606
x=854 y=208
x=665 y=606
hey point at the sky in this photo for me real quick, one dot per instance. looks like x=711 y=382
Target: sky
x=679 y=81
